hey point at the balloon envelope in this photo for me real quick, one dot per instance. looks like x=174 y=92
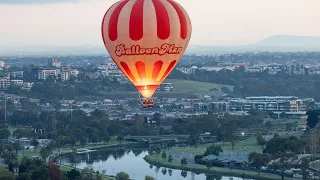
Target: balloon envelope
x=146 y=39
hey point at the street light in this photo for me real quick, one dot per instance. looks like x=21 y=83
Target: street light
x=245 y=139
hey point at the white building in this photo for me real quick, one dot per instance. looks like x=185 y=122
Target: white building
x=4 y=83
x=74 y=73
x=43 y=74
x=17 y=74
x=290 y=105
x=2 y=64
x=17 y=82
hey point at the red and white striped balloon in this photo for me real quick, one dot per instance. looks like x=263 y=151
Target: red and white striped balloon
x=146 y=39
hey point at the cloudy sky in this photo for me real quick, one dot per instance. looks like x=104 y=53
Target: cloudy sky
x=215 y=22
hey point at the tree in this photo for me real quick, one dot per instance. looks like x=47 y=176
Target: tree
x=106 y=138
x=164 y=171
x=170 y=172
x=73 y=174
x=170 y=159
x=305 y=167
x=16 y=146
x=261 y=141
x=5 y=174
x=208 y=164
x=257 y=160
x=4 y=133
x=1 y=148
x=23 y=176
x=313 y=118
x=45 y=153
x=164 y=155
x=83 y=141
x=184 y=162
x=122 y=176
x=72 y=141
x=34 y=143
x=215 y=150
x=120 y=138
x=149 y=178
x=193 y=140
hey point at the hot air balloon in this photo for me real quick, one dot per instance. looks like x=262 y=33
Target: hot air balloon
x=146 y=39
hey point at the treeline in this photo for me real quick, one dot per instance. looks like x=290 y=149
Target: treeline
x=258 y=83
x=50 y=90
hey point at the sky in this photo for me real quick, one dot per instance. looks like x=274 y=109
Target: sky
x=215 y=22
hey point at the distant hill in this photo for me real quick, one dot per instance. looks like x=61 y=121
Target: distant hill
x=277 y=43
x=291 y=41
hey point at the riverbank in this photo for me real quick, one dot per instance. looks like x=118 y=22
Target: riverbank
x=157 y=161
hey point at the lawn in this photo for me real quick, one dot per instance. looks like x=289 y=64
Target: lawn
x=181 y=88
x=193 y=86
x=251 y=144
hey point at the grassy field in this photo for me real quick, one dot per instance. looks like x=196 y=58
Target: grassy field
x=181 y=88
x=193 y=86
x=157 y=161
x=250 y=144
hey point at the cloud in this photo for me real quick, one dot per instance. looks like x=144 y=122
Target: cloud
x=36 y=1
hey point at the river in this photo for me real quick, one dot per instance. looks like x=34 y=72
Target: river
x=131 y=161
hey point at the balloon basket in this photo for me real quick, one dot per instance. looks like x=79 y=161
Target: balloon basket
x=147 y=103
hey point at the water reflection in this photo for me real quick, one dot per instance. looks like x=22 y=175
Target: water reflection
x=112 y=161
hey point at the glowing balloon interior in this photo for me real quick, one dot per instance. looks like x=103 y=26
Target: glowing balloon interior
x=146 y=39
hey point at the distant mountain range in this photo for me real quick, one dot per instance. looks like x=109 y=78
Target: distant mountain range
x=277 y=43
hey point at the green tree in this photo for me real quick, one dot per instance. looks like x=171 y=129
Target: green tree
x=193 y=140
x=83 y=141
x=313 y=118
x=215 y=150
x=149 y=178
x=106 y=138
x=34 y=143
x=23 y=176
x=4 y=133
x=1 y=148
x=305 y=167
x=5 y=174
x=184 y=162
x=208 y=164
x=120 y=138
x=170 y=159
x=164 y=155
x=73 y=174
x=257 y=160
x=45 y=153
x=122 y=176
x=261 y=141
x=16 y=147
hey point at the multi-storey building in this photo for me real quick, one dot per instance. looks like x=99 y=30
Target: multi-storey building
x=17 y=74
x=165 y=87
x=290 y=105
x=16 y=82
x=4 y=83
x=54 y=62
x=43 y=74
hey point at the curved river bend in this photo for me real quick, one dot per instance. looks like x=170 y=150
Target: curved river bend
x=132 y=162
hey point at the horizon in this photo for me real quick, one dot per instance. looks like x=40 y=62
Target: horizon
x=64 y=25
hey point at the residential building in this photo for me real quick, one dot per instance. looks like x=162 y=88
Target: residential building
x=165 y=87
x=2 y=64
x=4 y=83
x=200 y=107
x=27 y=85
x=16 y=82
x=43 y=74
x=17 y=74
x=54 y=62
x=290 y=105
x=216 y=107
x=65 y=73
x=74 y=73
x=191 y=70
x=295 y=68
